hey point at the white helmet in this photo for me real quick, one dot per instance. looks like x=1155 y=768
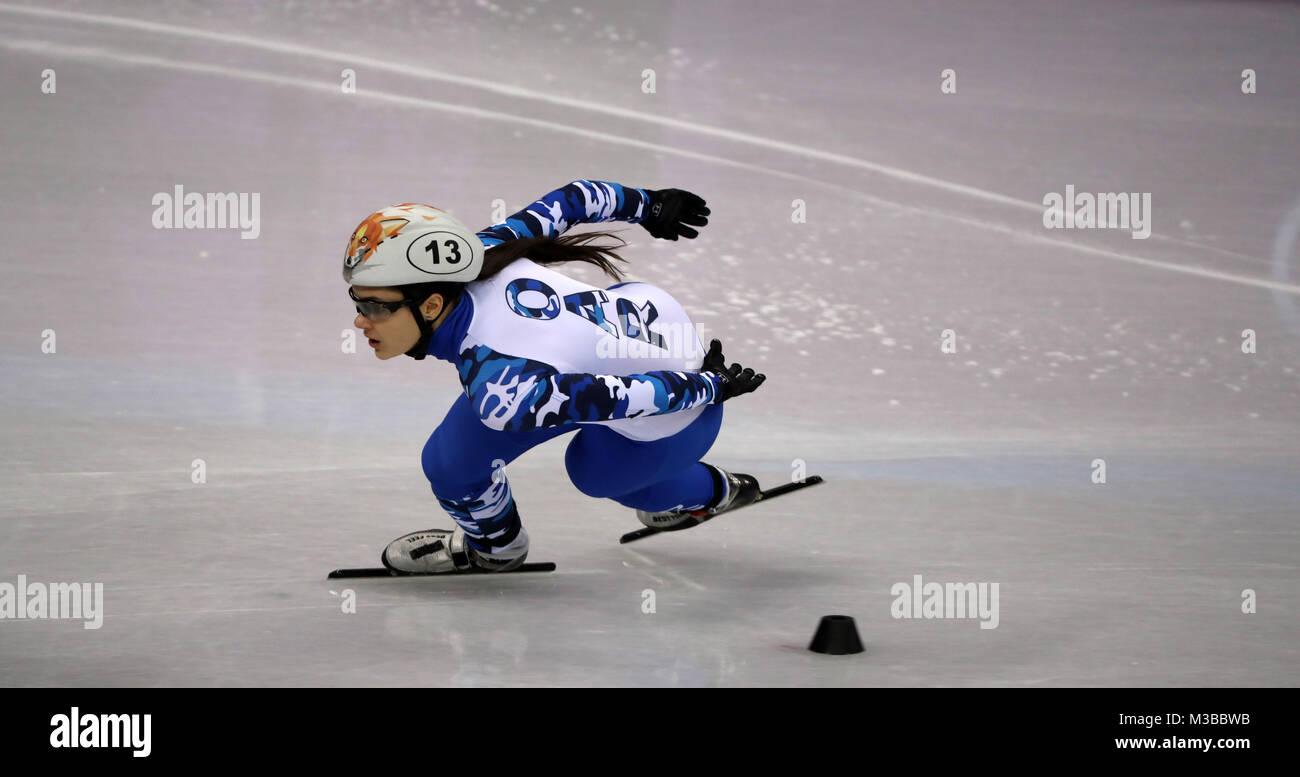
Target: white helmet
x=412 y=243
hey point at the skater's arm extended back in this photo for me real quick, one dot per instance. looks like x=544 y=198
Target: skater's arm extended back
x=518 y=394
x=578 y=202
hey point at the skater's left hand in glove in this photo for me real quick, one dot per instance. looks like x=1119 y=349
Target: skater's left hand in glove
x=671 y=210
x=735 y=380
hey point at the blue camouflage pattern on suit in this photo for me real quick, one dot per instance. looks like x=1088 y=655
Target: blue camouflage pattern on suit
x=580 y=201
x=515 y=394
x=480 y=515
x=531 y=284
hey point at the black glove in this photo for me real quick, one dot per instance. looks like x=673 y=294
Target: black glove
x=670 y=210
x=736 y=380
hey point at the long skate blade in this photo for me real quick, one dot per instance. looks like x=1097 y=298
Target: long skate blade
x=633 y=536
x=540 y=566
x=785 y=488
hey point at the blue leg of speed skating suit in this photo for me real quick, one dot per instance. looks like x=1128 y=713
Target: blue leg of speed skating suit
x=659 y=475
x=464 y=461
x=463 y=454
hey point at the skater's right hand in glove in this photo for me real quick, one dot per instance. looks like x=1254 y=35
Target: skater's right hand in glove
x=735 y=380
x=670 y=211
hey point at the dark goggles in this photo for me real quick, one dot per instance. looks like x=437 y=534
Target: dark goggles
x=374 y=309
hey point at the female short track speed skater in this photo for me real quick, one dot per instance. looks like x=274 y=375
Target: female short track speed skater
x=539 y=355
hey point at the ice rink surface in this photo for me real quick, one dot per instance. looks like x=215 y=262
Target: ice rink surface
x=923 y=213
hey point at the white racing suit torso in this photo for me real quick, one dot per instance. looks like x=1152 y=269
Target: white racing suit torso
x=541 y=349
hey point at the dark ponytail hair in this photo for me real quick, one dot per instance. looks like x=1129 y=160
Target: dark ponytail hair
x=553 y=250
x=542 y=250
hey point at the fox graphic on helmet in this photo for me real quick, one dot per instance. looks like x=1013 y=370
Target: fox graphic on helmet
x=396 y=246
x=377 y=228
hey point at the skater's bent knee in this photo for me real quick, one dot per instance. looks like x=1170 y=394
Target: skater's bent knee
x=591 y=483
x=442 y=467
x=589 y=477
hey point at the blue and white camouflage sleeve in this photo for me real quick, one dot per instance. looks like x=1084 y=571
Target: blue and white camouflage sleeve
x=575 y=203
x=515 y=394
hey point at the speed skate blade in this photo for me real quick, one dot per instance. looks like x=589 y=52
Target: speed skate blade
x=785 y=488
x=540 y=566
